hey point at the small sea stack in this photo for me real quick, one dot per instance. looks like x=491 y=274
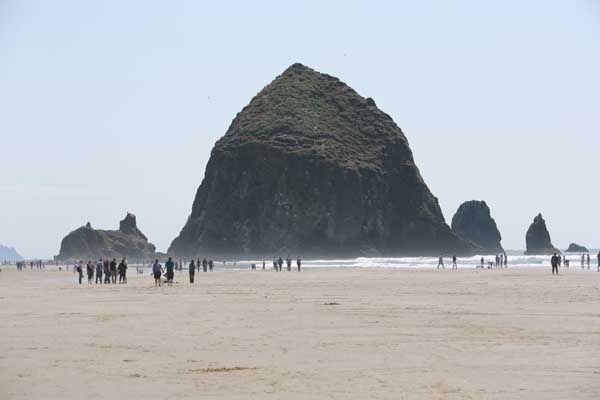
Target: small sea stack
x=473 y=221
x=575 y=248
x=538 y=238
x=87 y=243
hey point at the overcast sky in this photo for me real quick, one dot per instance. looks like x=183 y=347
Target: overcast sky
x=114 y=106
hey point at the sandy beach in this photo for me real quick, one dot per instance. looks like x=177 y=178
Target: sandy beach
x=353 y=333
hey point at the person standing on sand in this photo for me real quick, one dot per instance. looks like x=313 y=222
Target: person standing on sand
x=263 y=265
x=280 y=263
x=288 y=262
x=192 y=270
x=598 y=257
x=454 y=265
x=170 y=267
x=554 y=263
x=80 y=271
x=275 y=264
x=106 y=270
x=298 y=263
x=99 y=266
x=588 y=261
x=505 y=261
x=211 y=264
x=90 y=272
x=441 y=262
x=583 y=261
x=204 y=265
x=123 y=271
x=157 y=271
x=113 y=270
x=482 y=263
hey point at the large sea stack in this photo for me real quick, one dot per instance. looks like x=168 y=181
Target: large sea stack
x=538 y=238
x=473 y=221
x=311 y=168
x=87 y=243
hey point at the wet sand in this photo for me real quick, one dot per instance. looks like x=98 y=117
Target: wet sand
x=318 y=334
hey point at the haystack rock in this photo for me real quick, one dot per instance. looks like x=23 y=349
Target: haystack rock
x=473 y=221
x=88 y=243
x=538 y=238
x=575 y=248
x=311 y=168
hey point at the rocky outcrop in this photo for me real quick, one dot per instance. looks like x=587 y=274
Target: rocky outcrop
x=474 y=222
x=310 y=167
x=9 y=254
x=87 y=243
x=538 y=238
x=575 y=248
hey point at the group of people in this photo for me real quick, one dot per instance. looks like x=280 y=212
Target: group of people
x=37 y=264
x=105 y=271
x=278 y=263
x=500 y=261
x=557 y=261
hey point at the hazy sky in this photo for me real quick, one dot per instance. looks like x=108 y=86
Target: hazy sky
x=113 y=106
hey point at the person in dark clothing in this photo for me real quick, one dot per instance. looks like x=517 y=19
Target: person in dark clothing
x=288 y=262
x=298 y=263
x=106 y=271
x=588 y=261
x=123 y=271
x=598 y=257
x=204 y=265
x=441 y=262
x=454 y=265
x=275 y=267
x=211 y=264
x=263 y=264
x=170 y=267
x=79 y=268
x=554 y=263
x=192 y=269
x=99 y=266
x=280 y=263
x=90 y=272
x=113 y=270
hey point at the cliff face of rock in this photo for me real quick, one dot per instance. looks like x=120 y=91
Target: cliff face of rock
x=311 y=168
x=575 y=248
x=87 y=243
x=473 y=221
x=538 y=238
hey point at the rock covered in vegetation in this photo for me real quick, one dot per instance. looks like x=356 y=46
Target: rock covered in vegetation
x=310 y=167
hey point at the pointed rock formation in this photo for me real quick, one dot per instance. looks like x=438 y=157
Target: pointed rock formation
x=575 y=248
x=311 y=168
x=538 y=238
x=87 y=243
x=474 y=222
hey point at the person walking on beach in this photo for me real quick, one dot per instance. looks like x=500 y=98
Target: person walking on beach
x=505 y=261
x=288 y=263
x=298 y=263
x=583 y=261
x=79 y=268
x=192 y=270
x=113 y=270
x=482 y=262
x=157 y=271
x=280 y=263
x=211 y=265
x=123 y=271
x=454 y=265
x=264 y=265
x=170 y=267
x=99 y=266
x=554 y=263
x=90 y=272
x=598 y=257
x=275 y=264
x=441 y=262
x=588 y=261
x=204 y=265
x=497 y=260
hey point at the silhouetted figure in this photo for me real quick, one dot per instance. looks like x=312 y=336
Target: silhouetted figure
x=497 y=260
x=582 y=261
x=192 y=269
x=113 y=270
x=106 y=270
x=454 y=265
x=554 y=263
x=204 y=265
x=441 y=262
x=211 y=265
x=79 y=268
x=288 y=262
x=99 y=266
x=264 y=265
x=280 y=263
x=588 y=261
x=505 y=261
x=298 y=263
x=275 y=267
x=170 y=267
x=90 y=272
x=482 y=263
x=598 y=257
x=122 y=269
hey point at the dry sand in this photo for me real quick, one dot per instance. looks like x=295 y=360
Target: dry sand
x=318 y=334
